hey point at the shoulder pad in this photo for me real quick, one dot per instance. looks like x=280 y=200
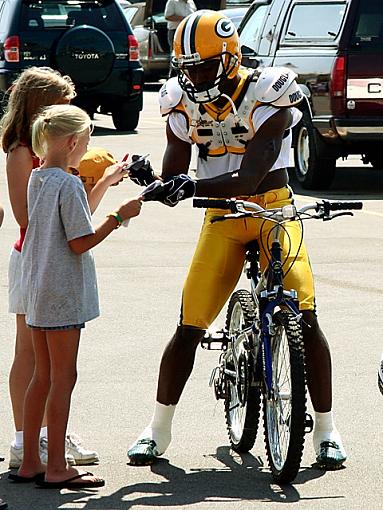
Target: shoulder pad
x=170 y=95
x=277 y=86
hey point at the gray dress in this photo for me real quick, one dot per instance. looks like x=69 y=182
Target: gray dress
x=59 y=287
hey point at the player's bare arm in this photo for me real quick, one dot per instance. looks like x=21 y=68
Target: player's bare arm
x=177 y=156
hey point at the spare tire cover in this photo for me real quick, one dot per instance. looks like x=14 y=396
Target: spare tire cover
x=86 y=54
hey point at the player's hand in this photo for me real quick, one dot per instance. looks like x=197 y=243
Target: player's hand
x=172 y=191
x=142 y=172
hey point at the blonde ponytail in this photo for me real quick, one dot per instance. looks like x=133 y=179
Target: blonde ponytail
x=55 y=122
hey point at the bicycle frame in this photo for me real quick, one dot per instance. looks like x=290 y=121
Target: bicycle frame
x=267 y=289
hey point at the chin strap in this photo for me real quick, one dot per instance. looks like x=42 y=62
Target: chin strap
x=237 y=118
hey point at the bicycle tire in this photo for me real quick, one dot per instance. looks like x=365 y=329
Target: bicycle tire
x=285 y=412
x=241 y=411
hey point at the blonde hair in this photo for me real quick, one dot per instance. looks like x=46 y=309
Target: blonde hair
x=34 y=89
x=57 y=121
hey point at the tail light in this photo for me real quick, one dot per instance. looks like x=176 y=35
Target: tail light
x=12 y=48
x=338 y=86
x=133 y=48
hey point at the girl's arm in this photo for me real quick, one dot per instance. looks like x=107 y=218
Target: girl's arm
x=127 y=210
x=19 y=166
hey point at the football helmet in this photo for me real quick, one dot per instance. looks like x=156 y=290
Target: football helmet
x=206 y=43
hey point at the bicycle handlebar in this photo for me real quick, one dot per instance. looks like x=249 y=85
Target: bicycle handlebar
x=242 y=207
x=216 y=203
x=340 y=206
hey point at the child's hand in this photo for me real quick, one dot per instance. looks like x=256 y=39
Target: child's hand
x=114 y=174
x=130 y=208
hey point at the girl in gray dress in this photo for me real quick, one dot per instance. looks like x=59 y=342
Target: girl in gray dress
x=60 y=288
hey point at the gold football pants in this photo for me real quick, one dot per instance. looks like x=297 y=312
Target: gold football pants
x=220 y=254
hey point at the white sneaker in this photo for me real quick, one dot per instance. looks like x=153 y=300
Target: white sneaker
x=80 y=454
x=16 y=455
x=44 y=453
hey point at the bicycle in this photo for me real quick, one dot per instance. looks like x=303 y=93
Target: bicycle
x=262 y=346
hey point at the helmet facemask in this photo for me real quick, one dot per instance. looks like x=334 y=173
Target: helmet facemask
x=218 y=69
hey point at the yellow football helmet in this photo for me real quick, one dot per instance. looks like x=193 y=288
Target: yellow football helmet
x=206 y=38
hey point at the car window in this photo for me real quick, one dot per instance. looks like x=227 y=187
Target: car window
x=69 y=13
x=368 y=28
x=250 y=32
x=130 y=12
x=302 y=27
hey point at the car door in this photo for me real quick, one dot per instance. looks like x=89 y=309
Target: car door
x=158 y=53
x=250 y=30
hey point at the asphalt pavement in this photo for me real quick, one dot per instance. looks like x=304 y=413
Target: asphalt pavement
x=140 y=273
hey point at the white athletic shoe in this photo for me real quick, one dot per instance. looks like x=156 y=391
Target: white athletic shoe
x=81 y=455
x=16 y=455
x=44 y=453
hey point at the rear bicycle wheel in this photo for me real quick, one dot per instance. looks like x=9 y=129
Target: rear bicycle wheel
x=242 y=401
x=285 y=408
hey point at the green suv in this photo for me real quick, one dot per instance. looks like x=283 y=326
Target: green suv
x=89 y=40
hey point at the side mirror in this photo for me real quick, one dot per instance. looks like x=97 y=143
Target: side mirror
x=249 y=57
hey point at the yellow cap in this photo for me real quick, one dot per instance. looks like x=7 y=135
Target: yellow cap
x=93 y=164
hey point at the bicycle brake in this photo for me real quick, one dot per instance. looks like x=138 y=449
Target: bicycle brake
x=332 y=216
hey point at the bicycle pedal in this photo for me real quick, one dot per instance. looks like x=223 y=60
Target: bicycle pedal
x=215 y=341
x=309 y=423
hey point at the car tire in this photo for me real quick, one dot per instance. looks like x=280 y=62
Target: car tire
x=125 y=118
x=312 y=168
x=376 y=161
x=86 y=54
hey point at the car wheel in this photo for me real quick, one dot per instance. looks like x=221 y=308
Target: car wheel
x=376 y=161
x=313 y=170
x=125 y=118
x=86 y=54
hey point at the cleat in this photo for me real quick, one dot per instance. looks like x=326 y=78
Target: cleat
x=330 y=456
x=143 y=452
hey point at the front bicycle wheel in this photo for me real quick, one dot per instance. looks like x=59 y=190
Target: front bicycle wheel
x=243 y=398
x=285 y=406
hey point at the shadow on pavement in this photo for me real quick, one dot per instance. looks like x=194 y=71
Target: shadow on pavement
x=240 y=478
x=105 y=131
x=355 y=182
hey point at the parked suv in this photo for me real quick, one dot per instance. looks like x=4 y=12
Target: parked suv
x=89 y=40
x=336 y=48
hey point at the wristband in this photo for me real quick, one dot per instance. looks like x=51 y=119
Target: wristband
x=117 y=217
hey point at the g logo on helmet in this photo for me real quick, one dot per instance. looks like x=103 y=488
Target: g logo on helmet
x=225 y=28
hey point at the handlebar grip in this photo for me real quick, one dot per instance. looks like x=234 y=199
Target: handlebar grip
x=343 y=206
x=207 y=203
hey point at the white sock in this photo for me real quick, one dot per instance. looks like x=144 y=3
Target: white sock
x=18 y=442
x=44 y=432
x=160 y=427
x=325 y=430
